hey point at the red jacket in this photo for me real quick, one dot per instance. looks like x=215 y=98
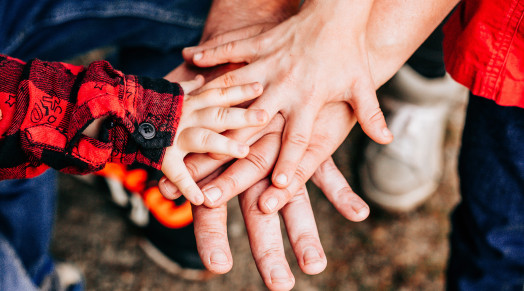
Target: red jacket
x=484 y=49
x=46 y=106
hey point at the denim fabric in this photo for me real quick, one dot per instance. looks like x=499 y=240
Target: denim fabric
x=26 y=220
x=153 y=31
x=487 y=240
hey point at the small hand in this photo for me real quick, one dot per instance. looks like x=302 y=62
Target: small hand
x=204 y=117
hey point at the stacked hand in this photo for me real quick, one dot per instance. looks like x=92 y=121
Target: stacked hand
x=317 y=84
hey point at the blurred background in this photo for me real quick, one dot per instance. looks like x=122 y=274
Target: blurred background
x=385 y=252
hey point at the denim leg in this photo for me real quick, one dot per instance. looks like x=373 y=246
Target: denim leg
x=58 y=30
x=26 y=220
x=487 y=240
x=14 y=275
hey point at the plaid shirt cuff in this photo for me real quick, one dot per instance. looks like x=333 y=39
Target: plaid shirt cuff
x=47 y=105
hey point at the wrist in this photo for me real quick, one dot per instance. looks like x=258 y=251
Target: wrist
x=227 y=15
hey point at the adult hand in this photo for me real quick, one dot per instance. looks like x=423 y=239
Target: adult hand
x=263 y=154
x=264 y=233
x=313 y=58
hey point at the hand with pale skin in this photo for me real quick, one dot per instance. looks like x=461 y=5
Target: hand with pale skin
x=301 y=66
x=204 y=116
x=263 y=229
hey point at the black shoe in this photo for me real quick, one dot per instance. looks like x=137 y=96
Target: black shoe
x=168 y=225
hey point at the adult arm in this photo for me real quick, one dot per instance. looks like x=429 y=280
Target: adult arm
x=394 y=31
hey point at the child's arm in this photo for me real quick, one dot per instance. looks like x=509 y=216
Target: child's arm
x=204 y=117
x=46 y=107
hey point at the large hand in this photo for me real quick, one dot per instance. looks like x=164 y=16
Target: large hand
x=264 y=230
x=315 y=57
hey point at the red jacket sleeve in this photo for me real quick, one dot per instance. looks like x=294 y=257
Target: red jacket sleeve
x=46 y=106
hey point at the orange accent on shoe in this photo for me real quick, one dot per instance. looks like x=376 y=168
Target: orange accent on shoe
x=135 y=180
x=113 y=170
x=166 y=211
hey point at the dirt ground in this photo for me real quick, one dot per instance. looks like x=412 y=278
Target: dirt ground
x=385 y=252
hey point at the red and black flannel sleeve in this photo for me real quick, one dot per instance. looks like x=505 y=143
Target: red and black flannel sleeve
x=46 y=106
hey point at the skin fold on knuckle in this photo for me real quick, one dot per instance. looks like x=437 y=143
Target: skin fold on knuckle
x=297 y=139
x=221 y=115
x=229 y=184
x=258 y=160
x=375 y=116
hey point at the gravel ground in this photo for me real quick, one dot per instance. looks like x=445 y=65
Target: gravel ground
x=385 y=252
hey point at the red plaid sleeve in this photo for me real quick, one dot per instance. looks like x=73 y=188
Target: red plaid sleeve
x=46 y=106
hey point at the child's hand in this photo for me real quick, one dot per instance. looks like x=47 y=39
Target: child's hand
x=204 y=116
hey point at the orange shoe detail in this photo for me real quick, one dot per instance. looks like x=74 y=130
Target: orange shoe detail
x=135 y=180
x=166 y=211
x=113 y=170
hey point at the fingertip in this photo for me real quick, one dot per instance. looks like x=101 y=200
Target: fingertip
x=360 y=210
x=219 y=262
x=243 y=151
x=196 y=198
x=280 y=180
x=199 y=78
x=280 y=278
x=387 y=134
x=314 y=261
x=257 y=88
x=198 y=56
x=268 y=205
x=213 y=194
x=262 y=116
x=168 y=189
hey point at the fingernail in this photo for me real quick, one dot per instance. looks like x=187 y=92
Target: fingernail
x=271 y=203
x=311 y=255
x=197 y=56
x=243 y=149
x=261 y=116
x=256 y=86
x=218 y=257
x=213 y=194
x=168 y=187
x=358 y=206
x=281 y=179
x=279 y=274
x=386 y=132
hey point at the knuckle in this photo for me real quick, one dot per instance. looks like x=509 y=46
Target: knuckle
x=221 y=115
x=251 y=207
x=328 y=167
x=306 y=239
x=229 y=47
x=345 y=193
x=222 y=93
x=230 y=182
x=193 y=170
x=271 y=252
x=229 y=80
x=376 y=115
x=258 y=160
x=205 y=138
x=211 y=232
x=298 y=139
x=302 y=174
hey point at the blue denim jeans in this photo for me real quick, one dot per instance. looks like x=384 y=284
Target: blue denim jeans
x=153 y=31
x=487 y=239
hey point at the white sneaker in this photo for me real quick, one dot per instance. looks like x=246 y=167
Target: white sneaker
x=402 y=175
